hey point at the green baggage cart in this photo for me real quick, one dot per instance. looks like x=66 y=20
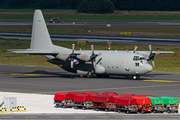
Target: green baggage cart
x=157 y=104
x=170 y=103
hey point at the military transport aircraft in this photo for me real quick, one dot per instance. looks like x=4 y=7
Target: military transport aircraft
x=86 y=62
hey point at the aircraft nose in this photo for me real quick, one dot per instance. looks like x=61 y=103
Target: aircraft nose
x=149 y=68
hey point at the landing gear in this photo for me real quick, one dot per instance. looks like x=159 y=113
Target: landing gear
x=89 y=75
x=136 y=77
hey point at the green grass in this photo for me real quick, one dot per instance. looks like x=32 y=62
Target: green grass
x=164 y=62
x=137 y=31
x=68 y=15
x=32 y=10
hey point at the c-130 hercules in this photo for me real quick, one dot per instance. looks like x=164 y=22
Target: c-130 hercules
x=86 y=62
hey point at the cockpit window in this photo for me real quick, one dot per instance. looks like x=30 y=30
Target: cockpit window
x=136 y=58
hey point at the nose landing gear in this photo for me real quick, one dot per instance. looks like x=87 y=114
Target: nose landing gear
x=136 y=77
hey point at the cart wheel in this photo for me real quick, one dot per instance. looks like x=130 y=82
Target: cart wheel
x=127 y=111
x=97 y=109
x=176 y=111
x=119 y=111
x=154 y=111
x=142 y=111
x=106 y=110
x=169 y=111
x=64 y=106
x=83 y=108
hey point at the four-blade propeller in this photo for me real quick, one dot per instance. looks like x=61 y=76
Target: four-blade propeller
x=151 y=56
x=93 y=56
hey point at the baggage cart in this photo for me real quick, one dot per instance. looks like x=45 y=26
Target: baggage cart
x=126 y=104
x=109 y=93
x=170 y=103
x=83 y=101
x=69 y=99
x=157 y=104
x=59 y=99
x=103 y=102
x=127 y=95
x=144 y=104
x=147 y=95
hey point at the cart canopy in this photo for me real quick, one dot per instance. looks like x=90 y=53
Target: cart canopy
x=109 y=93
x=90 y=92
x=71 y=95
x=142 y=100
x=103 y=99
x=155 y=100
x=169 y=100
x=81 y=98
x=125 y=101
x=147 y=95
x=127 y=95
x=60 y=96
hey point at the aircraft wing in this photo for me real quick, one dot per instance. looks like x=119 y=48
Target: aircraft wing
x=33 y=51
x=147 y=53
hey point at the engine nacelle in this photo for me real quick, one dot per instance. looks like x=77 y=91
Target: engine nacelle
x=100 y=69
x=62 y=56
x=84 y=57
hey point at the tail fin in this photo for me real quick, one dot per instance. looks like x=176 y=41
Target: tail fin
x=40 y=38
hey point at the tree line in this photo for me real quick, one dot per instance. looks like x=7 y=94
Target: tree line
x=152 y=5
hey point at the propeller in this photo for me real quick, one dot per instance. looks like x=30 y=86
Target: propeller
x=93 y=56
x=72 y=56
x=151 y=56
x=135 y=48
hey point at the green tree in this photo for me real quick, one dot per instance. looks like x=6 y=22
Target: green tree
x=95 y=6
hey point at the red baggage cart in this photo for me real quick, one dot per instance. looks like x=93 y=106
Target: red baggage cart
x=147 y=95
x=90 y=92
x=144 y=104
x=69 y=99
x=109 y=93
x=126 y=104
x=127 y=95
x=59 y=99
x=83 y=100
x=103 y=102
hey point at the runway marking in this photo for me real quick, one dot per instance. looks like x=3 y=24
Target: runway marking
x=32 y=74
x=160 y=81
x=111 y=88
x=25 y=74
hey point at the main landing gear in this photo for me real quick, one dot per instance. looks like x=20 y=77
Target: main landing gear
x=136 y=77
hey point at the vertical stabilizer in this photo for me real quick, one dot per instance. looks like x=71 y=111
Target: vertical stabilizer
x=40 y=38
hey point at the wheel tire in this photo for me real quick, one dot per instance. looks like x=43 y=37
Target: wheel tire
x=176 y=111
x=134 y=77
x=119 y=111
x=83 y=108
x=142 y=111
x=64 y=106
x=98 y=76
x=105 y=76
x=89 y=75
x=106 y=110
x=127 y=111
x=169 y=111
x=97 y=109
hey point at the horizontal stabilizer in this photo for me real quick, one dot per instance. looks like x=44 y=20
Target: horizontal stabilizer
x=33 y=51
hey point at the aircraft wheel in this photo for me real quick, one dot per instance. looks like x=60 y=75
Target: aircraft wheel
x=99 y=76
x=89 y=75
x=106 y=76
x=136 y=77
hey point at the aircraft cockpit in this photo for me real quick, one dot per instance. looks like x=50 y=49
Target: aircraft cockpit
x=141 y=59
